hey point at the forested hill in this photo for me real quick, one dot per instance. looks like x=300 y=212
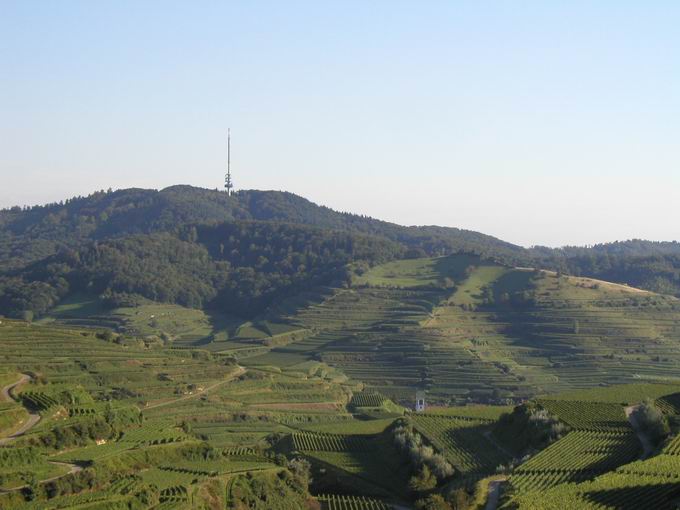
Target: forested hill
x=200 y=247
x=31 y=234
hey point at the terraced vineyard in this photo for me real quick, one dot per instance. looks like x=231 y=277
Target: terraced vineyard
x=464 y=441
x=509 y=333
x=594 y=466
x=612 y=491
x=329 y=442
x=335 y=502
x=670 y=404
x=367 y=399
x=183 y=422
x=100 y=382
x=583 y=453
x=600 y=416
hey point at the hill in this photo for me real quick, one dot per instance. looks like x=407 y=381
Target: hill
x=467 y=329
x=236 y=267
x=461 y=327
x=188 y=350
x=49 y=253
x=31 y=234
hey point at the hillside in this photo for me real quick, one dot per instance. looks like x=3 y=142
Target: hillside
x=33 y=238
x=466 y=329
x=30 y=234
x=276 y=279
x=108 y=421
x=461 y=327
x=256 y=354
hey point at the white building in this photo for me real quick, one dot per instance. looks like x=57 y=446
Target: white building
x=420 y=401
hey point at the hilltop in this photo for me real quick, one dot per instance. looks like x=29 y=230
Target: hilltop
x=203 y=249
x=32 y=233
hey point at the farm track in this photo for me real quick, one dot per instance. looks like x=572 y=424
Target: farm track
x=73 y=468
x=33 y=418
x=7 y=390
x=494 y=494
x=233 y=376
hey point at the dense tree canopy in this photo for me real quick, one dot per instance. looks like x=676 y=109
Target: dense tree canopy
x=200 y=247
x=239 y=267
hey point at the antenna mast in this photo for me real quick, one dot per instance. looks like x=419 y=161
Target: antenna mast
x=229 y=186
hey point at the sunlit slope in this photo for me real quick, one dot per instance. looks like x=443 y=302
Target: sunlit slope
x=558 y=331
x=464 y=328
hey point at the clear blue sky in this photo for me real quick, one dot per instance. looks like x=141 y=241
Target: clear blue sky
x=539 y=122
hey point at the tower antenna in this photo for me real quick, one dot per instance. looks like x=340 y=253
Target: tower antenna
x=229 y=186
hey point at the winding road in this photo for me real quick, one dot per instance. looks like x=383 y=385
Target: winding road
x=33 y=419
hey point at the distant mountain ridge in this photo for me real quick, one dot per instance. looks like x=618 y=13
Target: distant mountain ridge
x=201 y=247
x=140 y=211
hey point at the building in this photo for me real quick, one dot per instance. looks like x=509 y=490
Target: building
x=420 y=401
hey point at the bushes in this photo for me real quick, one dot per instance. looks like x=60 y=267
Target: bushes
x=421 y=456
x=301 y=470
x=433 y=502
x=652 y=422
x=107 y=426
x=423 y=481
x=268 y=491
x=529 y=427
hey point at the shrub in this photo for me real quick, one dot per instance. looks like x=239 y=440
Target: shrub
x=652 y=422
x=529 y=427
x=420 y=455
x=433 y=502
x=423 y=481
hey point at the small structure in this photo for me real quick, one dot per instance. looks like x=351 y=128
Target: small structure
x=420 y=401
x=228 y=184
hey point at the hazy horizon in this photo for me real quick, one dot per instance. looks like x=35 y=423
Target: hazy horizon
x=540 y=124
x=345 y=211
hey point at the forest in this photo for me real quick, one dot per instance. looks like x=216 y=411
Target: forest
x=200 y=248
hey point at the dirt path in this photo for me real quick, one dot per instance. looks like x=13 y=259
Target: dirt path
x=6 y=392
x=647 y=447
x=233 y=376
x=73 y=468
x=494 y=494
x=33 y=418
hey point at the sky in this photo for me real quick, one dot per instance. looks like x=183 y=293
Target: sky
x=542 y=123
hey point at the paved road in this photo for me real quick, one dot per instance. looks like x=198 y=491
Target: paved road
x=33 y=418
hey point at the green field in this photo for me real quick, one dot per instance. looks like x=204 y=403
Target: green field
x=418 y=272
